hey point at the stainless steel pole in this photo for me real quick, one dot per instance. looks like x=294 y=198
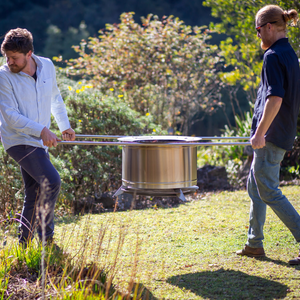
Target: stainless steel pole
x=92 y=143
x=83 y=136
x=201 y=137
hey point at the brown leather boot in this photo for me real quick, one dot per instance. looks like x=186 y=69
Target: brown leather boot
x=295 y=261
x=251 y=252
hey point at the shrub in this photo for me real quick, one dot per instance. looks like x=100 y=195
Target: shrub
x=164 y=67
x=11 y=185
x=232 y=157
x=87 y=171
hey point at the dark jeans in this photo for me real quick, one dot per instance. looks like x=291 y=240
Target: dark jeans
x=42 y=182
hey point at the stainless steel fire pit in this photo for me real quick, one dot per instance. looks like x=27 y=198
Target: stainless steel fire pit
x=158 y=165
x=161 y=167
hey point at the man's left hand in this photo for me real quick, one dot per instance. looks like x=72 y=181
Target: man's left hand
x=68 y=135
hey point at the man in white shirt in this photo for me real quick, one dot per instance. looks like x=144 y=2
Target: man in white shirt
x=28 y=96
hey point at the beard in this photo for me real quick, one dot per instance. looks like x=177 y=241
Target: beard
x=18 y=68
x=266 y=44
x=263 y=45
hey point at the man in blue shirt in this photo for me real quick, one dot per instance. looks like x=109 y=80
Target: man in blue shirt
x=28 y=96
x=273 y=127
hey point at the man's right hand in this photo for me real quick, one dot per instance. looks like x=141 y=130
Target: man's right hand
x=258 y=142
x=49 y=138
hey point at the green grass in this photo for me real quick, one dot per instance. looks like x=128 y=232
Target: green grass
x=188 y=252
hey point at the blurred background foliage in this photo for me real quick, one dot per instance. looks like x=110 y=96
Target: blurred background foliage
x=58 y=24
x=48 y=19
x=162 y=67
x=182 y=66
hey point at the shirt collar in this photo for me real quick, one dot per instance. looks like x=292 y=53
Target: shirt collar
x=281 y=41
x=38 y=62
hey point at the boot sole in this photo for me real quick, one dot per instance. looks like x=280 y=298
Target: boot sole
x=251 y=255
x=294 y=262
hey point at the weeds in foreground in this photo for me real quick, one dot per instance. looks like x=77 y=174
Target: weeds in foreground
x=65 y=277
x=47 y=271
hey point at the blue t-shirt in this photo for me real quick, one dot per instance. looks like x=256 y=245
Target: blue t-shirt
x=280 y=77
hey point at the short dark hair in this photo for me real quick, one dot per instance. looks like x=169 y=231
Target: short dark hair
x=17 y=40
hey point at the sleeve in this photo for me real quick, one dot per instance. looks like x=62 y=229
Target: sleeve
x=58 y=108
x=274 y=76
x=10 y=111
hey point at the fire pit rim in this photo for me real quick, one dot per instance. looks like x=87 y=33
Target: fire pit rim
x=159 y=139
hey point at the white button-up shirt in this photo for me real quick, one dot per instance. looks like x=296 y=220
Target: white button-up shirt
x=26 y=105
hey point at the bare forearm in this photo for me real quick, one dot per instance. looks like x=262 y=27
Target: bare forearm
x=271 y=109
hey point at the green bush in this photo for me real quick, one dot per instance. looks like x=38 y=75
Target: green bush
x=163 y=67
x=11 y=185
x=87 y=171
x=232 y=157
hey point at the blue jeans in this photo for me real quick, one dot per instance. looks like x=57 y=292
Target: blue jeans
x=37 y=170
x=262 y=185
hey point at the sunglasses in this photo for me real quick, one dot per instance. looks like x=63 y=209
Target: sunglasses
x=259 y=27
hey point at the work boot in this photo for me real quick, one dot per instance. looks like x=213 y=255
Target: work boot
x=295 y=261
x=251 y=252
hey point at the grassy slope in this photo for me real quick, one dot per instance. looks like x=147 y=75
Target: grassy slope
x=189 y=252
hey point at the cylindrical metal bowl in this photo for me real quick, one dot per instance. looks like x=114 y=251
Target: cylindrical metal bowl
x=168 y=166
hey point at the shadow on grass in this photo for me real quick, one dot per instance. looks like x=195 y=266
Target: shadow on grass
x=229 y=284
x=278 y=262
x=143 y=292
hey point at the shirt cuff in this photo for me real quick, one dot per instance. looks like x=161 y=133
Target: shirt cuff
x=37 y=130
x=275 y=91
x=64 y=126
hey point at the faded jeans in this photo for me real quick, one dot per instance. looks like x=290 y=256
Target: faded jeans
x=37 y=171
x=263 y=189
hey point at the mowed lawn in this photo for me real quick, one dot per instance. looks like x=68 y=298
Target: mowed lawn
x=185 y=252
x=188 y=252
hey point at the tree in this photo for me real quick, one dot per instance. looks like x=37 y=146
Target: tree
x=241 y=49
x=59 y=44
x=161 y=67
x=37 y=15
x=243 y=54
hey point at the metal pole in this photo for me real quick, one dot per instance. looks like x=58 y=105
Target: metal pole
x=87 y=136
x=92 y=143
x=225 y=138
x=200 y=137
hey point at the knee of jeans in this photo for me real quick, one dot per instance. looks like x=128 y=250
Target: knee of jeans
x=57 y=182
x=251 y=186
x=268 y=195
x=54 y=181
